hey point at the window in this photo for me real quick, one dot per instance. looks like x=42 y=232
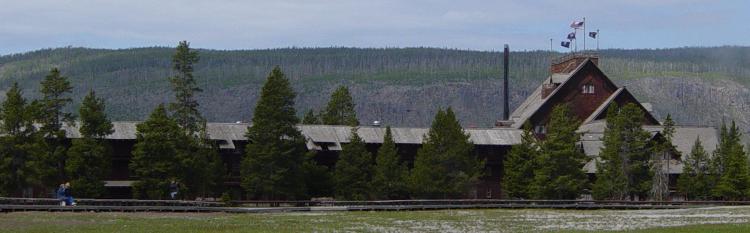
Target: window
x=588 y=88
x=540 y=129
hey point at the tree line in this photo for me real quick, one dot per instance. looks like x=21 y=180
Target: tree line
x=132 y=82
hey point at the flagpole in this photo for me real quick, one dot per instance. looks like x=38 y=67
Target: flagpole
x=575 y=31
x=597 y=40
x=584 y=34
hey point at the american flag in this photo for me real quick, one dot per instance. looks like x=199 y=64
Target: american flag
x=576 y=24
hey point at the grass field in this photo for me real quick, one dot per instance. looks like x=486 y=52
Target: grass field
x=715 y=219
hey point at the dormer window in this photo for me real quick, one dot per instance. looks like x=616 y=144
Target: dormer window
x=588 y=88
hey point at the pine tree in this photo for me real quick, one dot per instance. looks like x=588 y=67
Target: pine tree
x=55 y=89
x=185 y=107
x=637 y=150
x=445 y=166
x=340 y=109
x=389 y=178
x=611 y=180
x=733 y=184
x=725 y=144
x=89 y=156
x=19 y=146
x=519 y=165
x=625 y=167
x=272 y=167
x=196 y=167
x=202 y=170
x=318 y=178
x=353 y=172
x=310 y=118
x=160 y=143
x=560 y=172
x=695 y=180
x=660 y=161
x=716 y=162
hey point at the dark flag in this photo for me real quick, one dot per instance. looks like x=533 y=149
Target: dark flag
x=572 y=36
x=565 y=44
x=593 y=34
x=576 y=24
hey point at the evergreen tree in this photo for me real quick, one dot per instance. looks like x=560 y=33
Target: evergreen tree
x=311 y=118
x=202 y=170
x=160 y=145
x=340 y=109
x=318 y=178
x=89 y=157
x=733 y=182
x=695 y=180
x=353 y=172
x=637 y=150
x=519 y=165
x=560 y=172
x=272 y=167
x=55 y=90
x=725 y=144
x=445 y=166
x=185 y=107
x=19 y=146
x=197 y=167
x=389 y=178
x=611 y=180
x=660 y=161
x=626 y=151
x=716 y=162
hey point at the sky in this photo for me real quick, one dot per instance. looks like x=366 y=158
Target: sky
x=27 y=25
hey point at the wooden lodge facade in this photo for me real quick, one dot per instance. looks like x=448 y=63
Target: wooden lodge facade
x=575 y=80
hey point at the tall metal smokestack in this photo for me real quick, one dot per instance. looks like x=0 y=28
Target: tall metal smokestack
x=506 y=101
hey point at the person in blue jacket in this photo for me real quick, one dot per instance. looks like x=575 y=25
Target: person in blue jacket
x=61 y=195
x=68 y=196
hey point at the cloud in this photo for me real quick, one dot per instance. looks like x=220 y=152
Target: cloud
x=471 y=24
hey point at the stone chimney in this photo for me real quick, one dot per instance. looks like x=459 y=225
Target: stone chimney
x=570 y=62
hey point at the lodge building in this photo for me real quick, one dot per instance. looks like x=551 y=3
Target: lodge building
x=575 y=80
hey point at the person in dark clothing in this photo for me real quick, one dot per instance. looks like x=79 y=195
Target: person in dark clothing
x=174 y=188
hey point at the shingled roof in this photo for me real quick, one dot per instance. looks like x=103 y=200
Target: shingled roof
x=534 y=102
x=228 y=133
x=683 y=139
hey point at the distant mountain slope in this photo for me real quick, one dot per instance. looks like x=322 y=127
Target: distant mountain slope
x=397 y=86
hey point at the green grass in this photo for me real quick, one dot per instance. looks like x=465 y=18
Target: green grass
x=498 y=220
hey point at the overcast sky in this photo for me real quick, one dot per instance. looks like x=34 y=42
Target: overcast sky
x=27 y=25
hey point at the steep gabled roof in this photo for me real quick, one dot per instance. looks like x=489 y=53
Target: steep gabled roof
x=621 y=92
x=534 y=102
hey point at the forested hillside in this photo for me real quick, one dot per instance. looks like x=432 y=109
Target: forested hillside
x=402 y=87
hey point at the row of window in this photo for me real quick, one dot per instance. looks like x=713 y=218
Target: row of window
x=588 y=89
